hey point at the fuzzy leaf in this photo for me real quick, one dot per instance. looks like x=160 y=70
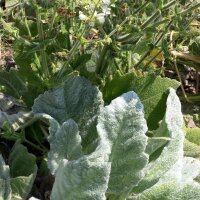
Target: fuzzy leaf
x=151 y=90
x=5 y=189
x=76 y=99
x=65 y=143
x=173 y=151
x=23 y=171
x=178 y=183
x=122 y=123
x=171 y=190
x=85 y=178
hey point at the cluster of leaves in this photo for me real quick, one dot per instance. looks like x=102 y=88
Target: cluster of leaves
x=51 y=40
x=103 y=152
x=100 y=146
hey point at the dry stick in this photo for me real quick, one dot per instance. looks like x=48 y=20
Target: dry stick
x=197 y=78
x=0 y=48
x=185 y=56
x=179 y=77
x=176 y=68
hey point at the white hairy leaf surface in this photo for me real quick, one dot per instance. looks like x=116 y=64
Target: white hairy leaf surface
x=123 y=125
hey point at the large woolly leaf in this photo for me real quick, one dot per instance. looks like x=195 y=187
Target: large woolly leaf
x=122 y=123
x=23 y=170
x=5 y=189
x=171 y=190
x=178 y=183
x=85 y=178
x=173 y=151
x=65 y=143
x=150 y=88
x=76 y=99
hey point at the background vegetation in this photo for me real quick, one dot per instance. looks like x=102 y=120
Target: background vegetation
x=141 y=45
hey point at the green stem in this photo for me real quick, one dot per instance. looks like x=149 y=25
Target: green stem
x=195 y=98
x=41 y=38
x=190 y=9
x=151 y=19
x=127 y=18
x=129 y=59
x=37 y=139
x=101 y=59
x=188 y=63
x=38 y=65
x=149 y=51
x=53 y=20
x=117 y=67
x=180 y=80
x=168 y=5
x=69 y=58
x=33 y=145
x=157 y=14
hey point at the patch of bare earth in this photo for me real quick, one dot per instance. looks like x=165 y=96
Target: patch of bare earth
x=6 y=55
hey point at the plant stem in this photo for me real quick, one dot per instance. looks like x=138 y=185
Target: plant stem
x=45 y=66
x=185 y=56
x=101 y=59
x=33 y=145
x=149 y=51
x=190 y=9
x=37 y=139
x=38 y=65
x=168 y=5
x=127 y=18
x=195 y=98
x=151 y=19
x=179 y=77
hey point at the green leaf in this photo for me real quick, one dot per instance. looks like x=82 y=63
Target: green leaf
x=122 y=123
x=21 y=186
x=85 y=178
x=193 y=135
x=5 y=189
x=77 y=99
x=155 y=143
x=14 y=84
x=178 y=183
x=22 y=83
x=173 y=151
x=158 y=141
x=171 y=190
x=191 y=149
x=23 y=170
x=65 y=143
x=151 y=89
x=142 y=45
